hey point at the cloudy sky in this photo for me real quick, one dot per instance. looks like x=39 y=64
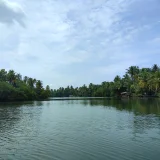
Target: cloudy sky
x=64 y=42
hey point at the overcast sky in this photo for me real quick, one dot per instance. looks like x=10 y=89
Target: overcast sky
x=75 y=42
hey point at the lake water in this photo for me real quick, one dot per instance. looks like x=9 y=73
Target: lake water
x=83 y=129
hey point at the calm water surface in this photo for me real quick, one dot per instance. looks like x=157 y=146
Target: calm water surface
x=88 y=129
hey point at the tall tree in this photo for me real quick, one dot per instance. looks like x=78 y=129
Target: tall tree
x=133 y=71
x=3 y=75
x=48 y=91
x=11 y=76
x=155 y=68
x=19 y=76
x=25 y=79
x=30 y=82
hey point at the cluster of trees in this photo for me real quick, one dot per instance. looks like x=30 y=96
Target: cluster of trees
x=14 y=87
x=136 y=81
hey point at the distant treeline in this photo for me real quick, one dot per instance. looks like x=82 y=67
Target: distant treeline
x=136 y=82
x=14 y=87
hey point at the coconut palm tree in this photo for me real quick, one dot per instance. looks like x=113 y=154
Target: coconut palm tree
x=25 y=79
x=132 y=71
x=156 y=81
x=30 y=82
x=39 y=84
x=3 y=75
x=19 y=76
x=11 y=77
x=155 y=68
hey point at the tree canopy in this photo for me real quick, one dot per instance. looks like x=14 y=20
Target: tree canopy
x=14 y=87
x=136 y=81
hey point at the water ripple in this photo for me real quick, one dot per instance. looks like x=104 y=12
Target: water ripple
x=71 y=131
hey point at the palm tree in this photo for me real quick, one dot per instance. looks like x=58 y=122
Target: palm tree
x=39 y=84
x=19 y=76
x=117 y=85
x=132 y=71
x=145 y=70
x=156 y=81
x=25 y=79
x=34 y=82
x=155 y=68
x=11 y=76
x=3 y=75
x=30 y=82
x=143 y=79
x=48 y=91
x=39 y=87
x=126 y=82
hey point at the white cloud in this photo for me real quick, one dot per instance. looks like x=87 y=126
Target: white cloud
x=11 y=12
x=74 y=42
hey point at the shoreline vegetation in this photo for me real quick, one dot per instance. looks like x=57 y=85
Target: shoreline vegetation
x=15 y=88
x=137 y=82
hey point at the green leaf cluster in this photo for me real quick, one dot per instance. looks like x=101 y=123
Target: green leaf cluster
x=13 y=87
x=135 y=82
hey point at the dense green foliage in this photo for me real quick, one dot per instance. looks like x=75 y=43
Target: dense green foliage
x=136 y=81
x=13 y=87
